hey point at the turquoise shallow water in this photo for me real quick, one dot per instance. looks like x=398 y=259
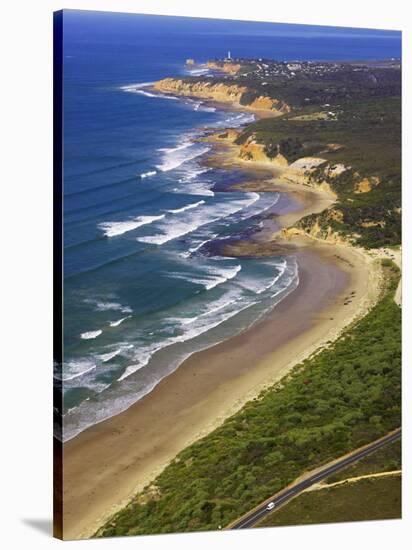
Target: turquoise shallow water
x=139 y=207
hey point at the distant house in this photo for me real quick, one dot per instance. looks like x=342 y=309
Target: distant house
x=294 y=66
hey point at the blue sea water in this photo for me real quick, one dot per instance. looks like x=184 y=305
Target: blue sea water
x=139 y=296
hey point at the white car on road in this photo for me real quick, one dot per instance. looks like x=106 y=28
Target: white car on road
x=270 y=506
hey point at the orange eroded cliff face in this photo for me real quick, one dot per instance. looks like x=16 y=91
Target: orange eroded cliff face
x=231 y=68
x=222 y=92
x=315 y=232
x=269 y=104
x=251 y=150
x=367 y=184
x=202 y=89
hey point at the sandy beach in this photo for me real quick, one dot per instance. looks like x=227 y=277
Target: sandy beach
x=108 y=463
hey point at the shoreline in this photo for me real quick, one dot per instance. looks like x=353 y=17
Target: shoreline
x=102 y=470
x=227 y=104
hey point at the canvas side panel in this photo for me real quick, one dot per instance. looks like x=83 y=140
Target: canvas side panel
x=57 y=267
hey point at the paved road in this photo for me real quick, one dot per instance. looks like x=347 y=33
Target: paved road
x=259 y=513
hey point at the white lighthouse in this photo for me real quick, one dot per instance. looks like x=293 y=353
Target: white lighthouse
x=228 y=55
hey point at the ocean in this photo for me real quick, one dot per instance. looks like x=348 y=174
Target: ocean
x=140 y=207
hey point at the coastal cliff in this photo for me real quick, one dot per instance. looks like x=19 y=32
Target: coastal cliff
x=300 y=171
x=201 y=89
x=306 y=172
x=318 y=174
x=253 y=151
x=219 y=91
x=230 y=68
x=331 y=225
x=310 y=172
x=317 y=228
x=228 y=135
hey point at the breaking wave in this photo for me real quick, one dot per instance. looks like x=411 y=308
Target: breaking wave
x=140 y=89
x=148 y=174
x=176 y=156
x=212 y=278
x=118 y=322
x=207 y=215
x=113 y=229
x=187 y=207
x=91 y=334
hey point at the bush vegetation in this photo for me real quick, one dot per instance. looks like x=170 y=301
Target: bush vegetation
x=360 y=110
x=386 y=459
x=368 y=136
x=344 y=397
x=313 y=88
x=367 y=499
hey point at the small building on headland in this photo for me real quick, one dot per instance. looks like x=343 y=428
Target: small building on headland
x=294 y=66
x=190 y=61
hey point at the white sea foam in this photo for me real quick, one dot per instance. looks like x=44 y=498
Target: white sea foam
x=236 y=121
x=199 y=317
x=197 y=329
x=230 y=304
x=271 y=283
x=207 y=109
x=110 y=306
x=143 y=92
x=199 y=106
x=192 y=173
x=140 y=89
x=180 y=147
x=197 y=72
x=194 y=249
x=148 y=174
x=262 y=204
x=196 y=188
x=200 y=191
x=107 y=356
x=91 y=334
x=187 y=207
x=136 y=86
x=129 y=370
x=214 y=277
x=143 y=357
x=219 y=279
x=212 y=316
x=215 y=309
x=187 y=224
x=263 y=283
x=76 y=368
x=289 y=282
x=113 y=229
x=178 y=230
x=118 y=322
x=175 y=157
